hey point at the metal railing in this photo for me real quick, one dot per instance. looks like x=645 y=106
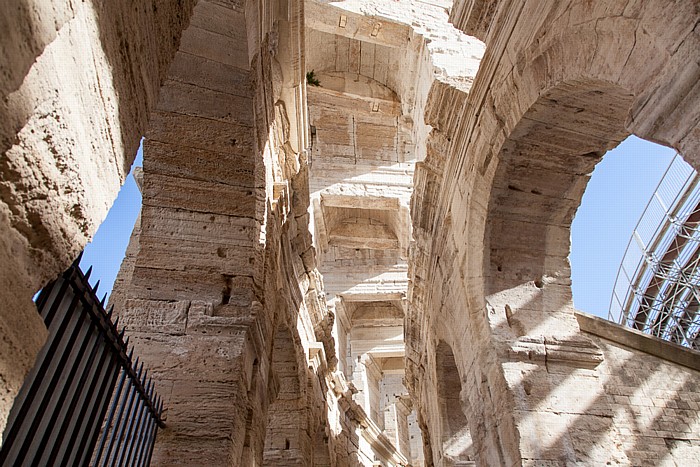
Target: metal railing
x=59 y=413
x=657 y=289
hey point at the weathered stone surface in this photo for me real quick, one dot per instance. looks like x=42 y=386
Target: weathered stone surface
x=77 y=80
x=494 y=200
x=308 y=256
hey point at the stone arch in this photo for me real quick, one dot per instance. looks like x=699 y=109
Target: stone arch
x=455 y=442
x=287 y=440
x=597 y=57
x=574 y=103
x=542 y=172
x=630 y=62
x=583 y=66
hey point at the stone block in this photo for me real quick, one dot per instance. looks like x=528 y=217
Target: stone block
x=155 y=316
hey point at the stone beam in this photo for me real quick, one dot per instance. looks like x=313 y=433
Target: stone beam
x=375 y=30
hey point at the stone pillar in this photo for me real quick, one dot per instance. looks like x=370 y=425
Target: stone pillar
x=287 y=441
x=194 y=290
x=366 y=377
x=396 y=425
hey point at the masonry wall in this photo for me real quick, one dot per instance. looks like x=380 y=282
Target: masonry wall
x=560 y=83
x=244 y=208
x=218 y=267
x=77 y=81
x=648 y=412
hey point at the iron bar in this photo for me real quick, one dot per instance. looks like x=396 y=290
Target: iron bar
x=139 y=433
x=24 y=408
x=87 y=442
x=56 y=372
x=79 y=374
x=131 y=419
x=133 y=438
x=88 y=403
x=122 y=426
x=110 y=417
x=120 y=420
x=152 y=439
x=83 y=371
x=149 y=429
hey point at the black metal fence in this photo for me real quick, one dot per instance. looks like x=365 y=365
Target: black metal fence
x=60 y=411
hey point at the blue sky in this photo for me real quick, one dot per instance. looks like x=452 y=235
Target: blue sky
x=619 y=190
x=106 y=251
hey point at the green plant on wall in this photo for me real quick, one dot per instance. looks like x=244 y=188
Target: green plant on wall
x=311 y=78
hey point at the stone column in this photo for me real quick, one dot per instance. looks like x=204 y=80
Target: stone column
x=194 y=289
x=396 y=425
x=366 y=378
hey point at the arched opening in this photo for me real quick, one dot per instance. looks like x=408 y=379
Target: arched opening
x=286 y=438
x=542 y=172
x=616 y=195
x=543 y=169
x=456 y=441
x=646 y=277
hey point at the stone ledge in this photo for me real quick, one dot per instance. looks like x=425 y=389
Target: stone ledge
x=638 y=340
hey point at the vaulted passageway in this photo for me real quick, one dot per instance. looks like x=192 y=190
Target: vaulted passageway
x=367 y=132
x=404 y=212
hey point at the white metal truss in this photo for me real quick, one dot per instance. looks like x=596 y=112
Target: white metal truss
x=657 y=290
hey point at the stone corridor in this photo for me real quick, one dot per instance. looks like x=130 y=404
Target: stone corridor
x=353 y=245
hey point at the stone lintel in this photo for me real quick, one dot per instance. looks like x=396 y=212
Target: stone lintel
x=352 y=25
x=361 y=202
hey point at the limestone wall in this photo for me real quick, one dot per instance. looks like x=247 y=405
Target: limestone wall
x=77 y=82
x=306 y=255
x=648 y=407
x=560 y=83
x=219 y=276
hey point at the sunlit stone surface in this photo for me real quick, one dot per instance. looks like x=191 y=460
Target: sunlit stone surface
x=353 y=246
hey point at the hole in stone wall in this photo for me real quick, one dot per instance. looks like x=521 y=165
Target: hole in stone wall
x=226 y=293
x=616 y=195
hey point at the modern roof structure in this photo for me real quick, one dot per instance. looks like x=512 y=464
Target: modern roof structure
x=657 y=285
